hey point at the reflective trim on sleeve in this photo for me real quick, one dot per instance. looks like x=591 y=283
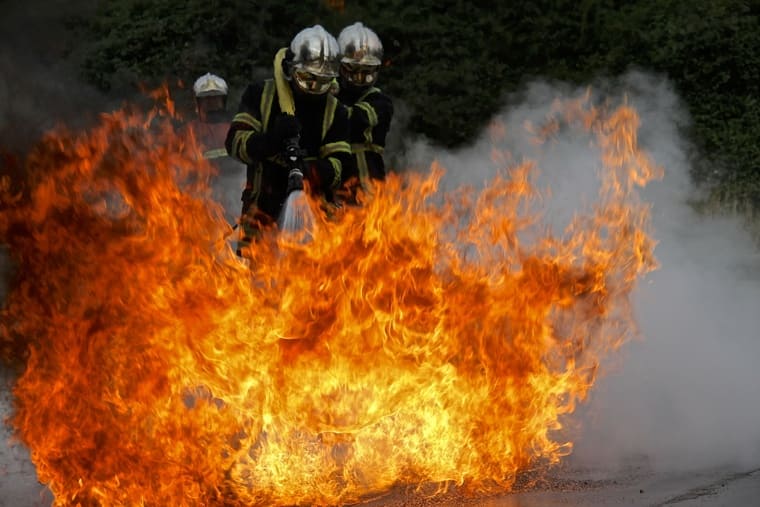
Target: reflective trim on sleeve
x=336 y=147
x=371 y=114
x=248 y=119
x=240 y=145
x=361 y=165
x=337 y=170
x=363 y=104
x=215 y=153
x=362 y=147
x=371 y=118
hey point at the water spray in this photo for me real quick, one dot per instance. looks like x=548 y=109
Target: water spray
x=296 y=218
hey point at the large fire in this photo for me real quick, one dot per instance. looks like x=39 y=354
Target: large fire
x=422 y=339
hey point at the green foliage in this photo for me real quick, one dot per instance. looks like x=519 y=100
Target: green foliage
x=452 y=61
x=159 y=40
x=441 y=63
x=711 y=51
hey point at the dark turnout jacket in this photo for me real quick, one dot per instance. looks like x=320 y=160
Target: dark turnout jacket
x=324 y=138
x=370 y=114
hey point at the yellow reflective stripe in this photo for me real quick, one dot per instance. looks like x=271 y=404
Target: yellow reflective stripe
x=337 y=170
x=371 y=117
x=215 y=153
x=336 y=147
x=362 y=147
x=267 y=98
x=240 y=145
x=366 y=94
x=249 y=120
x=361 y=164
x=371 y=114
x=327 y=119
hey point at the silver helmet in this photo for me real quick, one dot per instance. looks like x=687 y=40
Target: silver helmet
x=360 y=45
x=315 y=51
x=361 y=55
x=209 y=85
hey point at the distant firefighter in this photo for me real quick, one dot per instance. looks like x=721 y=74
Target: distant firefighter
x=212 y=122
x=210 y=128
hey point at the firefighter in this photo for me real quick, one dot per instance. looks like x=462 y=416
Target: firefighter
x=370 y=110
x=210 y=129
x=294 y=107
x=212 y=123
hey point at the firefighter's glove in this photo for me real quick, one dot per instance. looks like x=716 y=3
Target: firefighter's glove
x=284 y=127
x=295 y=180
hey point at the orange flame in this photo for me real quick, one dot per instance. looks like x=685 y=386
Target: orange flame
x=418 y=339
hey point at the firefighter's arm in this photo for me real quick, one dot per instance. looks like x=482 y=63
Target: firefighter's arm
x=383 y=107
x=335 y=152
x=245 y=139
x=375 y=111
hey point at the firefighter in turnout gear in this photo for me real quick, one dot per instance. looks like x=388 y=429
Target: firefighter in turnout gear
x=370 y=110
x=293 y=107
x=210 y=129
x=211 y=126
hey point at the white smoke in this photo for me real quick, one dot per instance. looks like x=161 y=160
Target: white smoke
x=685 y=395
x=40 y=83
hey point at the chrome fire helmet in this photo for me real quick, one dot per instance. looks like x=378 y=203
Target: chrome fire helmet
x=210 y=93
x=209 y=85
x=314 y=64
x=361 y=54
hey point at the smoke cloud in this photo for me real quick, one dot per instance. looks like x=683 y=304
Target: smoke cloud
x=683 y=394
x=40 y=85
